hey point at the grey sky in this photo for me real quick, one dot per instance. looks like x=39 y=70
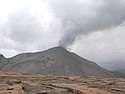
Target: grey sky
x=94 y=29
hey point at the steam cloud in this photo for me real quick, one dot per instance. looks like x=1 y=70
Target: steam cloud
x=79 y=17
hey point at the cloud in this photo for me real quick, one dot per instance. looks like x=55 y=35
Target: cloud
x=23 y=26
x=93 y=29
x=105 y=48
x=28 y=30
x=8 y=53
x=79 y=17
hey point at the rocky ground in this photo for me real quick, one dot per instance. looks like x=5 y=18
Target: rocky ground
x=21 y=83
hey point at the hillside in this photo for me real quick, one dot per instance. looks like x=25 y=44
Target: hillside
x=3 y=61
x=54 y=61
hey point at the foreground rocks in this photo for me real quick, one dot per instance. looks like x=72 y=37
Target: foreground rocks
x=20 y=83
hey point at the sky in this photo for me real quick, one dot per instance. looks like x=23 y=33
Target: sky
x=94 y=29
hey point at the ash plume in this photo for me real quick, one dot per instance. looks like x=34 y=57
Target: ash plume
x=79 y=17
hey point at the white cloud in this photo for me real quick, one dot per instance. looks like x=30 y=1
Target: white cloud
x=106 y=48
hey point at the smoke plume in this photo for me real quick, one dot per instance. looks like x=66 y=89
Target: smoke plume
x=79 y=17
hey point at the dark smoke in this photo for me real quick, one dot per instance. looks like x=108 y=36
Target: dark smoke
x=81 y=18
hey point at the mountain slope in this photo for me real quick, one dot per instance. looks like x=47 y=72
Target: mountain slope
x=55 y=61
x=3 y=60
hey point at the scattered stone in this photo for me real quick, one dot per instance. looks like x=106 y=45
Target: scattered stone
x=42 y=92
x=10 y=88
x=9 y=82
x=117 y=89
x=112 y=83
x=17 y=81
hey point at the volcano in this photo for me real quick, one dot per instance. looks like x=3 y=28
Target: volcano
x=54 y=61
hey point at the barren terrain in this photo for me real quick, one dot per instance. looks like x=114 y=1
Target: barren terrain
x=22 y=83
